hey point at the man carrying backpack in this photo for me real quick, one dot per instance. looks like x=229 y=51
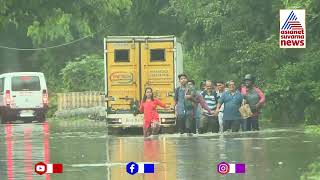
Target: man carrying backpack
x=179 y=98
x=208 y=121
x=255 y=98
x=193 y=100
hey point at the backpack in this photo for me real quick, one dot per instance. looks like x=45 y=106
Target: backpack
x=244 y=91
x=190 y=104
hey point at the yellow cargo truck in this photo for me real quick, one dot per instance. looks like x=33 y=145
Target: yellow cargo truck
x=133 y=63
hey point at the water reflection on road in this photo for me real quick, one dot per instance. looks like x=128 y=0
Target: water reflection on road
x=22 y=146
x=88 y=153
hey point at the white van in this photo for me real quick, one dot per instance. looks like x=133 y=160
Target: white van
x=23 y=95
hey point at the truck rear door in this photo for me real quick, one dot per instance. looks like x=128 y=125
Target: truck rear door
x=123 y=74
x=157 y=69
x=134 y=65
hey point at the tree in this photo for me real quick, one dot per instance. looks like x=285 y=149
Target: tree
x=84 y=74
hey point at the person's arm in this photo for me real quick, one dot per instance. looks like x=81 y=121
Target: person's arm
x=262 y=98
x=243 y=90
x=161 y=104
x=242 y=99
x=188 y=95
x=217 y=109
x=261 y=95
x=141 y=107
x=176 y=94
x=195 y=97
x=204 y=105
x=220 y=102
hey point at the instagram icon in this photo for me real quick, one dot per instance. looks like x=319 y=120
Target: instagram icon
x=226 y=168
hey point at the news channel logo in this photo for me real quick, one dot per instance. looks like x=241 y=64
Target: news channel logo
x=133 y=168
x=292 y=28
x=226 y=168
x=43 y=168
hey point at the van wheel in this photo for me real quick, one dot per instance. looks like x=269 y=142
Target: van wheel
x=41 y=118
x=2 y=119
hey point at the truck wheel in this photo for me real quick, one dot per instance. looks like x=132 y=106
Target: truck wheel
x=114 y=131
x=168 y=130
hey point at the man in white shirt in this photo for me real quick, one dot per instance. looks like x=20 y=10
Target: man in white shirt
x=220 y=90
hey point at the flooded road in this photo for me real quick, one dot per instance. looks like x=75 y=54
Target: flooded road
x=87 y=153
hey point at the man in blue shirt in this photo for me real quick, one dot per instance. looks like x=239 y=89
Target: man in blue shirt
x=232 y=100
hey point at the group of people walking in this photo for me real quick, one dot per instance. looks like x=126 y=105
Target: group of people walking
x=213 y=108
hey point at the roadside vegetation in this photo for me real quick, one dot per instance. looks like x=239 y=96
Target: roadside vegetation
x=312 y=129
x=313 y=171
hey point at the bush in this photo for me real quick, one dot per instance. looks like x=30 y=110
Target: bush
x=53 y=106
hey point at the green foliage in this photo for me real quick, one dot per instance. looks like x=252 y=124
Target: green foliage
x=84 y=74
x=313 y=171
x=231 y=38
x=53 y=104
x=53 y=28
x=53 y=20
x=312 y=129
x=296 y=88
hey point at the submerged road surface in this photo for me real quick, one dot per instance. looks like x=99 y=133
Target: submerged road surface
x=88 y=153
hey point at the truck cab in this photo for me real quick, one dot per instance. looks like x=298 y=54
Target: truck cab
x=133 y=63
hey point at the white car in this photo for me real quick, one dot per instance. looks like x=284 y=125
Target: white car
x=23 y=95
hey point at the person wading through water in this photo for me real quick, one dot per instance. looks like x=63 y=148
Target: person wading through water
x=192 y=101
x=180 y=103
x=151 y=117
x=255 y=98
x=208 y=121
x=232 y=100
x=220 y=91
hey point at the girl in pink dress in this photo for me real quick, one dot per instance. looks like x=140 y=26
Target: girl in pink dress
x=148 y=106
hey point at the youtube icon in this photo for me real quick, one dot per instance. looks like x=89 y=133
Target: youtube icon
x=42 y=168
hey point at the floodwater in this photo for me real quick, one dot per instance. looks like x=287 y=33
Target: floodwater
x=88 y=153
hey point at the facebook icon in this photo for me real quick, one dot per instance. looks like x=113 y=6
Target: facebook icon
x=132 y=168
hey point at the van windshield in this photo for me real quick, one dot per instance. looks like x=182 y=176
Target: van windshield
x=25 y=83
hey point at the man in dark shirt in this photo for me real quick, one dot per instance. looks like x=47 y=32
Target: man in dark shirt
x=179 y=98
x=256 y=99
